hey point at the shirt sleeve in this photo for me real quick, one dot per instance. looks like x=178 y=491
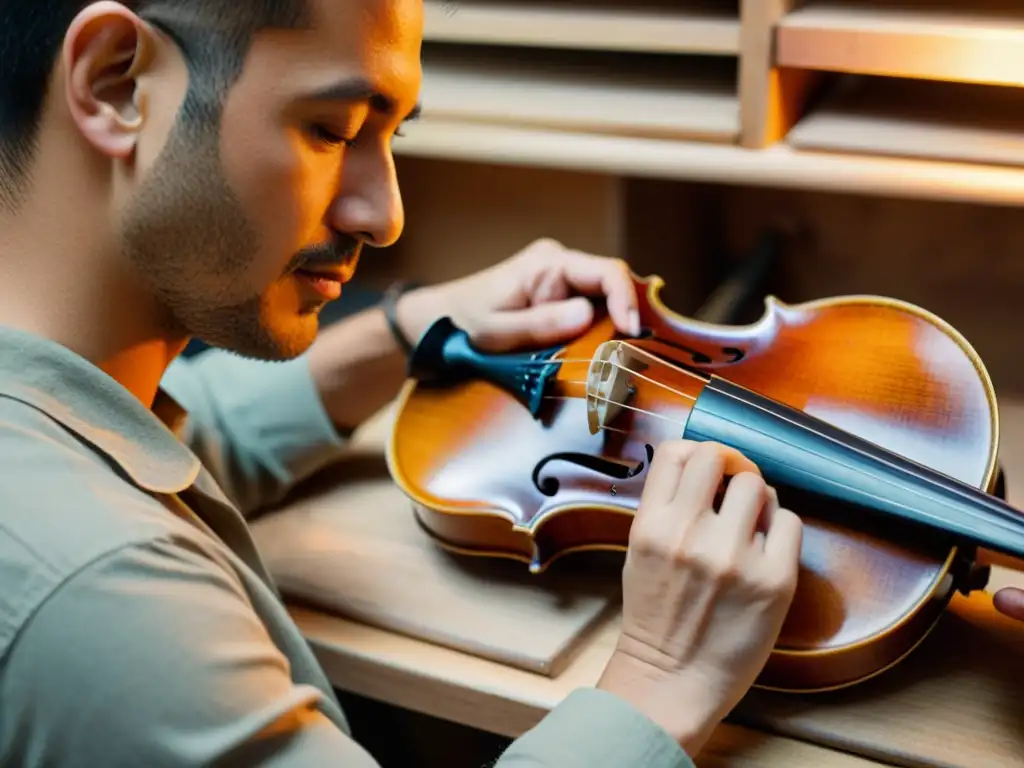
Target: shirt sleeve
x=154 y=656
x=258 y=427
x=593 y=728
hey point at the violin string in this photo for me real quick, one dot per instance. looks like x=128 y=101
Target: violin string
x=1006 y=524
x=1002 y=519
x=997 y=511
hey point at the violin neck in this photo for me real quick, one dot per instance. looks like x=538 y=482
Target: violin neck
x=798 y=451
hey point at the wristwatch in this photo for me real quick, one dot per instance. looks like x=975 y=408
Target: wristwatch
x=390 y=306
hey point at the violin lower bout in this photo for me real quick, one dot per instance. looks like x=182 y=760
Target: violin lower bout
x=861 y=607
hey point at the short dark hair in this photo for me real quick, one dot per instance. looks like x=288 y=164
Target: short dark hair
x=213 y=35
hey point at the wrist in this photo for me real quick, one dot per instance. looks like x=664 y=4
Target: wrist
x=416 y=310
x=686 y=712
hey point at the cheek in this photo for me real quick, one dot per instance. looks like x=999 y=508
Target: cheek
x=284 y=187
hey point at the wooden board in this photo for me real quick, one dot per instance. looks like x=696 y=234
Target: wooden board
x=917 y=119
x=778 y=167
x=350 y=544
x=610 y=93
x=975 y=41
x=954 y=703
x=664 y=26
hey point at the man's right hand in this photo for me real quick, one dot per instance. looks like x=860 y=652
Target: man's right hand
x=705 y=591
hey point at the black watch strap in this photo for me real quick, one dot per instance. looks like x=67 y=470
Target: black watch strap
x=389 y=304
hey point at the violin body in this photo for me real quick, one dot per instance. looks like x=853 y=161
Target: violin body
x=500 y=472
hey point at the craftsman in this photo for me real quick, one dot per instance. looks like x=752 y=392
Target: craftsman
x=212 y=169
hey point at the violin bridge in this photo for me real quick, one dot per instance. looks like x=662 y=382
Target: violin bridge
x=610 y=384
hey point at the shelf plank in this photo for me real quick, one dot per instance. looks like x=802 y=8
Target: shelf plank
x=657 y=26
x=977 y=41
x=778 y=166
x=621 y=94
x=917 y=118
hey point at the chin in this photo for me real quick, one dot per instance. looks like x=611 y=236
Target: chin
x=274 y=342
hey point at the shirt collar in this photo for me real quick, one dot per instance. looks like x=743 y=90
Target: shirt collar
x=76 y=393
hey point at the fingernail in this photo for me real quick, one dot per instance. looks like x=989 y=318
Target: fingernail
x=577 y=311
x=634 y=322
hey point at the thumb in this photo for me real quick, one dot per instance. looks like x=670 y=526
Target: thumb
x=536 y=326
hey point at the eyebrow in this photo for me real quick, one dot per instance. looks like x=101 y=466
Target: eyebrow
x=360 y=89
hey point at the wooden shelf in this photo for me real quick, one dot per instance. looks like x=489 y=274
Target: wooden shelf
x=778 y=166
x=617 y=93
x=666 y=26
x=917 y=118
x=978 y=41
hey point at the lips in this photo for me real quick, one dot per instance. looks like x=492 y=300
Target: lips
x=341 y=276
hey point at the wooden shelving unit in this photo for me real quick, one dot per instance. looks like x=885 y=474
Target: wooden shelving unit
x=734 y=91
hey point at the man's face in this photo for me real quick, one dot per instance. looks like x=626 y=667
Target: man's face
x=230 y=227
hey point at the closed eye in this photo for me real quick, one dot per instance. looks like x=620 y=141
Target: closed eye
x=329 y=137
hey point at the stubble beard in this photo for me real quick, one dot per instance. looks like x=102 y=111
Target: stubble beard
x=189 y=239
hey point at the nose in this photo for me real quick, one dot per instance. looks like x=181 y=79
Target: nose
x=369 y=203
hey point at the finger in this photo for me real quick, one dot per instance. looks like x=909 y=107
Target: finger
x=701 y=480
x=537 y=326
x=742 y=508
x=611 y=278
x=1009 y=601
x=784 y=538
x=703 y=476
x=665 y=472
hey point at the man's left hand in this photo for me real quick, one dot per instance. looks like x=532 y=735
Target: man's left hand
x=533 y=299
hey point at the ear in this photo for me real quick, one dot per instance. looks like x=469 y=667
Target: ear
x=105 y=50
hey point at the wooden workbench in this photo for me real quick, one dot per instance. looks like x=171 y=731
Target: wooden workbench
x=343 y=545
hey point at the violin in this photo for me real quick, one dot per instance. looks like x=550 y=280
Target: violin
x=874 y=419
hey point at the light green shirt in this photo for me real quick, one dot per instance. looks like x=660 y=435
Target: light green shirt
x=138 y=624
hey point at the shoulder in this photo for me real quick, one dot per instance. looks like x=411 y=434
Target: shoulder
x=64 y=507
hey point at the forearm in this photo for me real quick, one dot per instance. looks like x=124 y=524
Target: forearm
x=357 y=364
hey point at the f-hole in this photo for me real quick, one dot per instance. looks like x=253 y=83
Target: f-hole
x=616 y=470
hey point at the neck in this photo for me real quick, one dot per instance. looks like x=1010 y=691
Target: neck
x=61 y=277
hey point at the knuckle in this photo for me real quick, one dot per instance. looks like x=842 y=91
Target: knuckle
x=713 y=564
x=542 y=245
x=779 y=582
x=645 y=543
